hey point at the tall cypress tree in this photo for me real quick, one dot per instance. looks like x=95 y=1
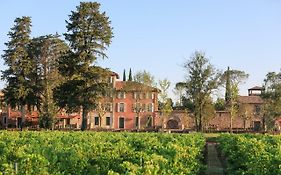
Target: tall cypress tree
x=124 y=75
x=130 y=75
x=18 y=75
x=227 y=87
x=89 y=34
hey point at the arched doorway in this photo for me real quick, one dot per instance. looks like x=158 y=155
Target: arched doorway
x=173 y=124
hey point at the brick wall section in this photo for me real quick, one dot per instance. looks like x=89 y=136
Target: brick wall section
x=222 y=121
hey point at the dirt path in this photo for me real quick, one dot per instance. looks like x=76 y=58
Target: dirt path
x=214 y=166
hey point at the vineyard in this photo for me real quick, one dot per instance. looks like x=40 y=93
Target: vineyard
x=100 y=153
x=251 y=154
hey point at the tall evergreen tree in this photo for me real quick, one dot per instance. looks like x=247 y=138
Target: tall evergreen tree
x=227 y=87
x=130 y=75
x=46 y=50
x=124 y=75
x=232 y=79
x=89 y=34
x=18 y=75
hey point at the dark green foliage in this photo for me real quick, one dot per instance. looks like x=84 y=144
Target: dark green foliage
x=46 y=51
x=187 y=104
x=220 y=104
x=227 y=87
x=100 y=153
x=89 y=34
x=124 y=75
x=130 y=75
x=19 y=90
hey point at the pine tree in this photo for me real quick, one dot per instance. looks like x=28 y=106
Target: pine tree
x=130 y=75
x=18 y=75
x=89 y=34
x=124 y=75
x=46 y=50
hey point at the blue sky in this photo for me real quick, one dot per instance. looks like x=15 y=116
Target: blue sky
x=159 y=35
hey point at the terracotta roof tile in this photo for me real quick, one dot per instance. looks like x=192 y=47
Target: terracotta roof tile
x=250 y=99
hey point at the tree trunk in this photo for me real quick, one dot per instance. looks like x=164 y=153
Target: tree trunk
x=196 y=122
x=84 y=119
x=22 y=125
x=200 y=118
x=200 y=123
x=231 y=131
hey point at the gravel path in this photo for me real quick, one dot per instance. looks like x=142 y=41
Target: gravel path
x=214 y=166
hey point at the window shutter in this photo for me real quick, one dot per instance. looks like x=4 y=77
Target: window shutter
x=134 y=107
x=125 y=107
x=110 y=107
x=152 y=107
x=117 y=107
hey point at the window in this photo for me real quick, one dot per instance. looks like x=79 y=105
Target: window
x=257 y=109
x=150 y=107
x=108 y=107
x=97 y=121
x=109 y=94
x=121 y=95
x=149 y=122
x=138 y=95
x=136 y=107
x=149 y=95
x=5 y=120
x=121 y=107
x=137 y=122
x=152 y=95
x=107 y=121
x=68 y=121
x=135 y=95
x=110 y=80
x=121 y=123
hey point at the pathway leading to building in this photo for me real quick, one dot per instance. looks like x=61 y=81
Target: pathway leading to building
x=214 y=165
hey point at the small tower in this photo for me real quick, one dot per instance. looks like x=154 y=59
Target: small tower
x=255 y=91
